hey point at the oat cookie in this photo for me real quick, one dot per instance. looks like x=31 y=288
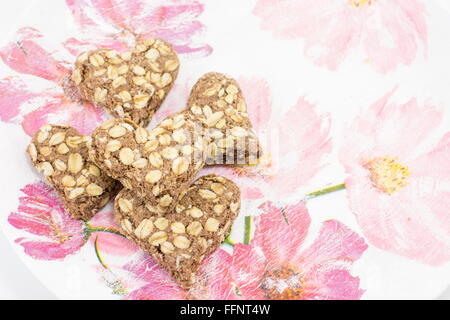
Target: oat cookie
x=156 y=164
x=131 y=84
x=60 y=153
x=217 y=101
x=180 y=240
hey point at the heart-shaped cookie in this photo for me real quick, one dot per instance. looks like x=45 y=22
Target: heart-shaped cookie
x=131 y=84
x=60 y=153
x=156 y=164
x=159 y=164
x=217 y=101
x=180 y=240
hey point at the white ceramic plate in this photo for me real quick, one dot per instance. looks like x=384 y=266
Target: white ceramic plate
x=332 y=87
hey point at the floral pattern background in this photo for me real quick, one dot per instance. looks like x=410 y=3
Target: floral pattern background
x=352 y=197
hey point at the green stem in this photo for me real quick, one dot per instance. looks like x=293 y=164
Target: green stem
x=326 y=190
x=97 y=253
x=105 y=229
x=88 y=230
x=248 y=229
x=229 y=241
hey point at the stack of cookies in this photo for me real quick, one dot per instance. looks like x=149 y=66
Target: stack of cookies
x=163 y=207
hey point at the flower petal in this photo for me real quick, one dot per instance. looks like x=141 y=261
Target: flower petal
x=25 y=55
x=164 y=15
x=248 y=266
x=411 y=222
x=335 y=244
x=159 y=285
x=404 y=222
x=194 y=51
x=281 y=231
x=323 y=267
x=333 y=285
x=174 y=21
x=329 y=33
x=34 y=209
x=78 y=10
x=326 y=263
x=432 y=186
x=213 y=279
x=304 y=143
x=83 y=117
x=259 y=101
x=42 y=250
x=404 y=28
x=76 y=47
x=108 y=242
x=13 y=93
x=389 y=31
x=119 y=12
x=381 y=130
x=41 y=213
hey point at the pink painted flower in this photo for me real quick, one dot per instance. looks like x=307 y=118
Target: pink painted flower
x=22 y=98
x=107 y=238
x=273 y=266
x=276 y=264
x=401 y=198
x=213 y=280
x=124 y=21
x=156 y=283
x=41 y=214
x=294 y=145
x=388 y=33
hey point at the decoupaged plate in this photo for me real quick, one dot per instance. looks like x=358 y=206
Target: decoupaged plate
x=350 y=100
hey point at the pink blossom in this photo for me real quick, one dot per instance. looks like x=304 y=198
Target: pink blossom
x=294 y=145
x=258 y=270
x=213 y=281
x=401 y=198
x=32 y=108
x=41 y=214
x=156 y=282
x=388 y=33
x=122 y=22
x=276 y=264
x=107 y=237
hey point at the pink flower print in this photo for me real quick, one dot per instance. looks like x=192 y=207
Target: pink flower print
x=213 y=280
x=76 y=47
x=107 y=238
x=14 y=93
x=56 y=103
x=400 y=198
x=294 y=145
x=127 y=21
x=156 y=282
x=25 y=55
x=276 y=265
x=388 y=33
x=41 y=214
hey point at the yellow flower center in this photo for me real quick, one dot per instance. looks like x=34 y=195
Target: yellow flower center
x=360 y=3
x=387 y=174
x=283 y=283
x=59 y=234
